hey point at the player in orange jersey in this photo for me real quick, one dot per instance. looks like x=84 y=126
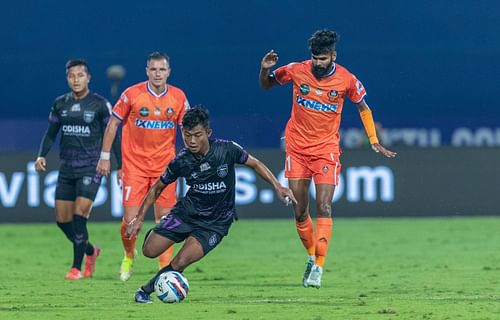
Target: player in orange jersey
x=150 y=112
x=320 y=86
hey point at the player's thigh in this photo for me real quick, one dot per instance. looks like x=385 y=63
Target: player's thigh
x=192 y=250
x=83 y=206
x=155 y=244
x=170 y=227
x=300 y=189
x=64 y=210
x=326 y=168
x=134 y=189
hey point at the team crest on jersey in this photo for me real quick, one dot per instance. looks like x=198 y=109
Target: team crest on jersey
x=169 y=112
x=305 y=89
x=88 y=116
x=75 y=107
x=325 y=168
x=222 y=170
x=157 y=111
x=144 y=112
x=87 y=180
x=204 y=166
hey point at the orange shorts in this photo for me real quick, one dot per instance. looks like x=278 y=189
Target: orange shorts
x=135 y=188
x=324 y=168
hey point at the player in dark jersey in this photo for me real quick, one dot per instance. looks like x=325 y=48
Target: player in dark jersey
x=203 y=217
x=81 y=116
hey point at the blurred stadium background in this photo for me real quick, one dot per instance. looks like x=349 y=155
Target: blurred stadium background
x=431 y=69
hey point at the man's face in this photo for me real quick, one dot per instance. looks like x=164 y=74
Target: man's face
x=78 y=79
x=196 y=139
x=158 y=71
x=322 y=63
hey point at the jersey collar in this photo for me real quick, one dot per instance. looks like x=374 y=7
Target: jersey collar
x=161 y=94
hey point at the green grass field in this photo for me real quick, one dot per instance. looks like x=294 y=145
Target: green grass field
x=377 y=269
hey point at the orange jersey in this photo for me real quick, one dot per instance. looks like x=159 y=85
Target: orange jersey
x=149 y=127
x=314 y=123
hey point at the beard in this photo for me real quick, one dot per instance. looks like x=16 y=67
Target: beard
x=321 y=72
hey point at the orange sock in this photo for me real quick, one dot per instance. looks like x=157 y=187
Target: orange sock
x=305 y=229
x=165 y=258
x=128 y=244
x=323 y=234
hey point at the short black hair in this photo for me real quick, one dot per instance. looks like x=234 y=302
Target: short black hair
x=77 y=62
x=198 y=115
x=323 y=41
x=158 y=56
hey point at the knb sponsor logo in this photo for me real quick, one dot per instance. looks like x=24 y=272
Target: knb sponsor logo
x=315 y=105
x=154 y=124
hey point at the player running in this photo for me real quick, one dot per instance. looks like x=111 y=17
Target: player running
x=204 y=216
x=82 y=117
x=320 y=86
x=150 y=112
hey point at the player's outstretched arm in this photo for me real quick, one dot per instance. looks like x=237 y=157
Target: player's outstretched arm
x=366 y=117
x=134 y=226
x=262 y=170
x=268 y=61
x=104 y=165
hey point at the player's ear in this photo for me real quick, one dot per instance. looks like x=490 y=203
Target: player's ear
x=334 y=55
x=209 y=132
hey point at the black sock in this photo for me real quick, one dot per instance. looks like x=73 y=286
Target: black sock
x=150 y=286
x=80 y=242
x=67 y=228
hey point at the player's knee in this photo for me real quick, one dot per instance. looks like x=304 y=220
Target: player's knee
x=180 y=263
x=324 y=209
x=148 y=252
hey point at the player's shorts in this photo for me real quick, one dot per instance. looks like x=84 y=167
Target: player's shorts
x=172 y=227
x=135 y=188
x=73 y=183
x=324 y=168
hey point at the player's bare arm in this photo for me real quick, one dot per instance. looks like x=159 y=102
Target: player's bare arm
x=263 y=171
x=104 y=164
x=134 y=226
x=367 y=118
x=269 y=61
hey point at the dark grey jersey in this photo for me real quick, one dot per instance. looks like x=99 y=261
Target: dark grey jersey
x=82 y=124
x=211 y=180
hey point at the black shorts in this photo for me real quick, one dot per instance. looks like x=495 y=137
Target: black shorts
x=77 y=183
x=173 y=228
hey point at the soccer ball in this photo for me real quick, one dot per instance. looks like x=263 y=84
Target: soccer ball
x=171 y=286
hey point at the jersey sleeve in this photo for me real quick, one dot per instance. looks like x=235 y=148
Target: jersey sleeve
x=183 y=111
x=106 y=110
x=355 y=91
x=121 y=109
x=237 y=153
x=283 y=74
x=175 y=169
x=51 y=132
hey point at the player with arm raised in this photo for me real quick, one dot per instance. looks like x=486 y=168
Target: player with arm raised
x=320 y=86
x=81 y=116
x=203 y=217
x=150 y=112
